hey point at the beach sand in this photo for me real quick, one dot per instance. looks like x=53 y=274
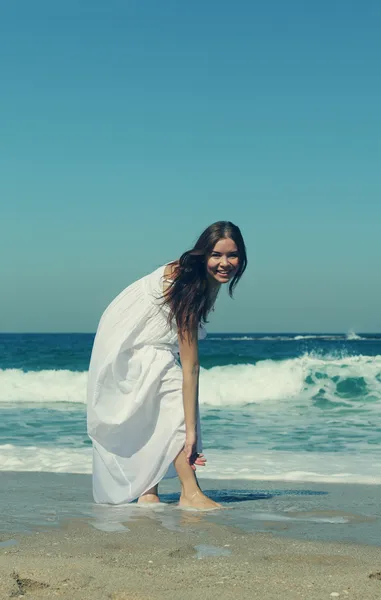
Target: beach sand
x=275 y=540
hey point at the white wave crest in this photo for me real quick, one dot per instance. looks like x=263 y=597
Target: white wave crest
x=351 y=335
x=274 y=381
x=281 y=338
x=242 y=338
x=42 y=386
x=50 y=460
x=260 y=465
x=231 y=385
x=234 y=385
x=315 y=337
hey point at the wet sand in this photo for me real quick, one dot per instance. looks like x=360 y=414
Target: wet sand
x=273 y=541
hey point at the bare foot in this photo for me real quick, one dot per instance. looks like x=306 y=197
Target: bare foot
x=198 y=501
x=148 y=499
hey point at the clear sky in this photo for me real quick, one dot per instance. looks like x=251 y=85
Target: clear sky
x=127 y=127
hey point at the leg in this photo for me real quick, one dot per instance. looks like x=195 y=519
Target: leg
x=150 y=496
x=191 y=494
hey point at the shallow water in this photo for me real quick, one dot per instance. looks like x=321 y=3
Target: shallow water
x=31 y=502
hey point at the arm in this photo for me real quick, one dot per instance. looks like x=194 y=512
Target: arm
x=188 y=347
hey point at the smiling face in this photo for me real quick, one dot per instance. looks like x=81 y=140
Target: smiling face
x=223 y=261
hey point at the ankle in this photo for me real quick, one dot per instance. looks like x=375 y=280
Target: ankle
x=148 y=498
x=190 y=492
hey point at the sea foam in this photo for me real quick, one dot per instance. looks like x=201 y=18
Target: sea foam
x=348 y=380
x=258 y=465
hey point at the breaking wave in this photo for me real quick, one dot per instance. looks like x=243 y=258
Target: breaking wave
x=350 y=380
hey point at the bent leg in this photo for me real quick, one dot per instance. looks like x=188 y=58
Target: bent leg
x=191 y=494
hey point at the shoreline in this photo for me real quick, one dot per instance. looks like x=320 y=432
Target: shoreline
x=31 y=501
x=275 y=540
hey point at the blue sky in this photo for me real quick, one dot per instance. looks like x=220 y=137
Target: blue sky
x=128 y=127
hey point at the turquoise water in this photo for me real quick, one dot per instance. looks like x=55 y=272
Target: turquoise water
x=282 y=406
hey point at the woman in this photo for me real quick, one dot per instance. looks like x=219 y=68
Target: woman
x=143 y=415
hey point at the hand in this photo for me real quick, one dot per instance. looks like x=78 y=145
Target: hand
x=192 y=456
x=200 y=461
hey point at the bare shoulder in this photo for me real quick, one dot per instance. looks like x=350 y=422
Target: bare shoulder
x=169 y=274
x=171 y=270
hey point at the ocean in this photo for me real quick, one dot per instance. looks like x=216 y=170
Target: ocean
x=285 y=407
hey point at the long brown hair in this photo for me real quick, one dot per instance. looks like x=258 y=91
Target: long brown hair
x=187 y=296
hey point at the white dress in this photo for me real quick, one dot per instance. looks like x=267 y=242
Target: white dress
x=135 y=411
